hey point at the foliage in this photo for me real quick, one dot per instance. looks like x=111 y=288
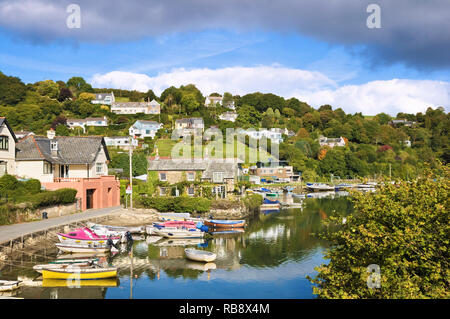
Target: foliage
x=177 y=204
x=403 y=228
x=12 y=90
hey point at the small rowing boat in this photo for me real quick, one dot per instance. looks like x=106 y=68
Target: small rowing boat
x=39 y=268
x=200 y=255
x=222 y=223
x=108 y=282
x=83 y=248
x=179 y=233
x=76 y=272
x=9 y=285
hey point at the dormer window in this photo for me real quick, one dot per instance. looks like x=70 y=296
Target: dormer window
x=53 y=145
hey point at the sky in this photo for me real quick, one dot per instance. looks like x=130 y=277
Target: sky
x=319 y=51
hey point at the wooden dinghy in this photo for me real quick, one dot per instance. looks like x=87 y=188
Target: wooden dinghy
x=41 y=267
x=9 y=285
x=180 y=233
x=107 y=282
x=75 y=272
x=222 y=223
x=200 y=255
x=83 y=248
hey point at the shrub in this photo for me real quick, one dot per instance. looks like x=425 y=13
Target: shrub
x=177 y=204
x=33 y=186
x=58 y=197
x=8 y=182
x=253 y=202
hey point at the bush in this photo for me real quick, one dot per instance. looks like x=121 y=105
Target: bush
x=7 y=215
x=253 y=202
x=33 y=186
x=8 y=182
x=177 y=204
x=58 y=197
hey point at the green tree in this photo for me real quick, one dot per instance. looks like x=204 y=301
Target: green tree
x=12 y=90
x=402 y=228
x=47 y=88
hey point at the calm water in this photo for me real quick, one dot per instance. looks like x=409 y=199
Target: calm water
x=269 y=260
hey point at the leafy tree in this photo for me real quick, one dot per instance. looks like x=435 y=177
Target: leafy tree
x=12 y=90
x=78 y=85
x=64 y=94
x=190 y=103
x=402 y=228
x=47 y=88
x=62 y=130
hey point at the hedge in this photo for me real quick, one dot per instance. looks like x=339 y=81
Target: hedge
x=179 y=204
x=58 y=197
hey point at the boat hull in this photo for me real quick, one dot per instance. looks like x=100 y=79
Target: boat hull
x=82 y=248
x=80 y=274
x=6 y=285
x=179 y=234
x=200 y=255
x=225 y=223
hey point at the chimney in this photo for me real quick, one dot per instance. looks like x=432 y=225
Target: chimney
x=51 y=134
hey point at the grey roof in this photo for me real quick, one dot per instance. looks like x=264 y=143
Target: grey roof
x=191 y=120
x=102 y=96
x=130 y=104
x=208 y=167
x=71 y=149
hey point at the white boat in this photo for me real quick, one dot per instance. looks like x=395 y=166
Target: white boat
x=9 y=285
x=319 y=187
x=180 y=233
x=84 y=248
x=179 y=242
x=367 y=185
x=173 y=216
x=41 y=267
x=106 y=230
x=200 y=255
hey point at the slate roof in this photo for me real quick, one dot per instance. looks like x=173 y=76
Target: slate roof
x=207 y=167
x=71 y=149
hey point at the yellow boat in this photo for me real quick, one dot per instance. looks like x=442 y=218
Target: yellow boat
x=108 y=282
x=78 y=272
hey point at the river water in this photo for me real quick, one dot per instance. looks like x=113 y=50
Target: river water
x=271 y=259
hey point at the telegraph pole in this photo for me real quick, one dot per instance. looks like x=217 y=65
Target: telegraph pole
x=131 y=172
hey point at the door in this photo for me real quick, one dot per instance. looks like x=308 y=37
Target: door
x=90 y=198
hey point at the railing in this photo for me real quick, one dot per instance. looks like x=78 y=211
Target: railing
x=66 y=179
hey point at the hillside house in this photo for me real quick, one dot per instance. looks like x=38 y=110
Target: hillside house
x=141 y=129
x=104 y=98
x=189 y=126
x=331 y=142
x=91 y=121
x=152 y=107
x=122 y=142
x=212 y=101
x=228 y=116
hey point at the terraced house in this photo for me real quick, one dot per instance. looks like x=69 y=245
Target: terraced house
x=152 y=107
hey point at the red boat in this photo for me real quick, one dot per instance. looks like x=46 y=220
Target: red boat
x=220 y=223
x=177 y=223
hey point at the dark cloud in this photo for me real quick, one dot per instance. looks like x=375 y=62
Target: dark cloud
x=414 y=32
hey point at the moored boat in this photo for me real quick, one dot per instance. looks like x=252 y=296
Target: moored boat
x=9 y=285
x=79 y=272
x=41 y=267
x=85 y=235
x=319 y=187
x=224 y=223
x=180 y=233
x=200 y=255
x=83 y=248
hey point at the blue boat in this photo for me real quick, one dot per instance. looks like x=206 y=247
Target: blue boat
x=268 y=201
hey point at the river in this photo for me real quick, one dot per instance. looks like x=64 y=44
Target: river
x=271 y=259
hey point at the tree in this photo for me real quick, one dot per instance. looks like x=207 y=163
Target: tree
x=47 y=88
x=62 y=130
x=402 y=229
x=78 y=85
x=64 y=94
x=87 y=97
x=12 y=90
x=189 y=103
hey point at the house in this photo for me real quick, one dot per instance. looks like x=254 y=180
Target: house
x=230 y=105
x=70 y=162
x=141 y=129
x=331 y=142
x=122 y=142
x=402 y=122
x=8 y=142
x=23 y=134
x=228 y=116
x=152 y=107
x=280 y=170
x=272 y=134
x=104 y=98
x=222 y=174
x=91 y=121
x=189 y=126
x=212 y=101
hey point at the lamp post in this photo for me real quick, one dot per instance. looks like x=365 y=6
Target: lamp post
x=131 y=172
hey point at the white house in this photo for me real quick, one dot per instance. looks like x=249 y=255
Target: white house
x=228 y=116
x=23 y=134
x=188 y=126
x=8 y=142
x=104 y=98
x=91 y=121
x=272 y=134
x=152 y=107
x=213 y=100
x=122 y=142
x=141 y=129
x=331 y=142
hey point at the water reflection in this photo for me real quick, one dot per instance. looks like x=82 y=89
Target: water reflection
x=276 y=249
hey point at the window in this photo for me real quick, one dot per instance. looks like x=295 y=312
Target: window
x=162 y=191
x=191 y=191
x=48 y=168
x=190 y=176
x=217 y=177
x=163 y=177
x=54 y=145
x=99 y=168
x=4 y=143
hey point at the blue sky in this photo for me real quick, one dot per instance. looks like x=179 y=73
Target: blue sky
x=353 y=68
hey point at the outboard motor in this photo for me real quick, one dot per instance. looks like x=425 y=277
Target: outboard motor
x=128 y=236
x=110 y=243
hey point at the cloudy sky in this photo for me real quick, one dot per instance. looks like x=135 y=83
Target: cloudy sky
x=320 y=51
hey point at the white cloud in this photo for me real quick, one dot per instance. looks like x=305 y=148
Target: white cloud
x=392 y=96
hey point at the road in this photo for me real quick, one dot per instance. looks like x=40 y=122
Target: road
x=10 y=232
